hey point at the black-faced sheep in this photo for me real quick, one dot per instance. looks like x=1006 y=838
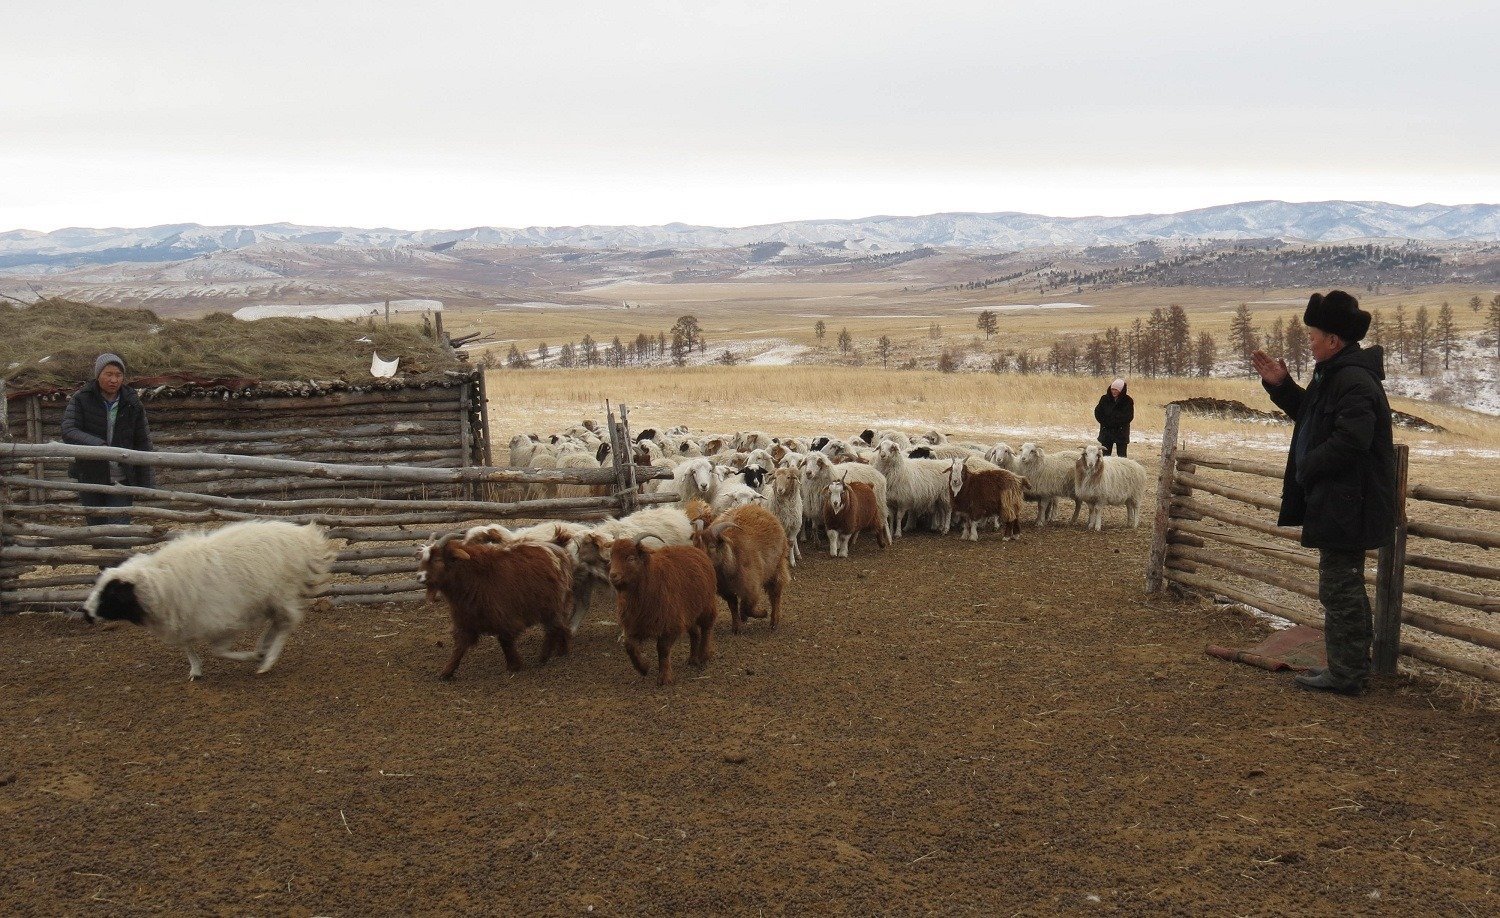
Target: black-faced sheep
x=206 y=588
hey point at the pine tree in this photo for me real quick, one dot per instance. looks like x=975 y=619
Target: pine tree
x=846 y=341
x=1207 y=354
x=1421 y=339
x=988 y=324
x=1179 y=341
x=1242 y=336
x=1276 y=339
x=1296 y=345
x=566 y=357
x=1447 y=333
x=819 y=330
x=590 y=351
x=1400 y=343
x=1093 y=356
x=1112 y=348
x=542 y=353
x=1475 y=304
x=883 y=347
x=1377 y=327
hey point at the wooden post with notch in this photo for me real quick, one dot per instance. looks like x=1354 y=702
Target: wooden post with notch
x=1390 y=579
x=632 y=488
x=1158 y=559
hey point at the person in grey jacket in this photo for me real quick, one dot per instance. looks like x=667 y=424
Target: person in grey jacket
x=1340 y=480
x=107 y=412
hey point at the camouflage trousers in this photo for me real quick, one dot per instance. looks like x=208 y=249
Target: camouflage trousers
x=1347 y=626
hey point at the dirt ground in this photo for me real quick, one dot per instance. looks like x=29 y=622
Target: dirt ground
x=938 y=730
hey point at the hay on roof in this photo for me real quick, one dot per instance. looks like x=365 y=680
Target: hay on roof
x=53 y=343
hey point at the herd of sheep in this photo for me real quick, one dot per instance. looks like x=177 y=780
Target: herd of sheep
x=745 y=504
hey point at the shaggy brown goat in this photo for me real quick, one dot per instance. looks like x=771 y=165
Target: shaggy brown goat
x=500 y=590
x=749 y=549
x=849 y=508
x=984 y=495
x=659 y=594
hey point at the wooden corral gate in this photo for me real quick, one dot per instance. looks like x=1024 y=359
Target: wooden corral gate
x=49 y=557
x=436 y=422
x=1200 y=541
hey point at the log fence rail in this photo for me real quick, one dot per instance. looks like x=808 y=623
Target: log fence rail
x=1207 y=530
x=49 y=558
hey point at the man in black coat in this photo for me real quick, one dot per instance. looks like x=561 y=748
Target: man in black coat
x=1340 y=481
x=106 y=412
x=1115 y=411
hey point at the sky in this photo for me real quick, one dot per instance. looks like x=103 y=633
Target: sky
x=458 y=114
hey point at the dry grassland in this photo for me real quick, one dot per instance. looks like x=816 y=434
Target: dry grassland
x=797 y=400
x=740 y=311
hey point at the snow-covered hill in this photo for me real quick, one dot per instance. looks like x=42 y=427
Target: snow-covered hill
x=1323 y=221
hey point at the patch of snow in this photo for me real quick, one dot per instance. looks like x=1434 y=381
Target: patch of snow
x=781 y=355
x=1019 y=306
x=335 y=310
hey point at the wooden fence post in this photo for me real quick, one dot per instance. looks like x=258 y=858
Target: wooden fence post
x=4 y=489
x=631 y=481
x=1164 y=484
x=1390 y=579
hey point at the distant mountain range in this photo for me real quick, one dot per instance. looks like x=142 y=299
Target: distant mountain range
x=1322 y=221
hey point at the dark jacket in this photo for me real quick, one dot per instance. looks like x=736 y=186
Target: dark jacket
x=1114 y=416
x=1340 y=481
x=86 y=421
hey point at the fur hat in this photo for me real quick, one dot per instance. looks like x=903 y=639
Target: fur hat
x=1337 y=313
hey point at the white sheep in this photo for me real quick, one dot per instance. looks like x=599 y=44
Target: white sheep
x=1100 y=481
x=915 y=487
x=1002 y=455
x=207 y=587
x=1048 y=477
x=731 y=494
x=784 y=500
x=694 y=480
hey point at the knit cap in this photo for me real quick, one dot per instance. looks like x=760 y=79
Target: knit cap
x=104 y=360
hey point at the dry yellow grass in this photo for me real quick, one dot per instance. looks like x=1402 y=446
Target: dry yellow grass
x=842 y=400
x=732 y=312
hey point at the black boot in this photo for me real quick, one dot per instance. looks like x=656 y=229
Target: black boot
x=1324 y=681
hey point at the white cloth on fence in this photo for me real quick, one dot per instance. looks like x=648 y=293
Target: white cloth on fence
x=383 y=369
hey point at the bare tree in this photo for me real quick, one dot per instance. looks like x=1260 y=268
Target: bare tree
x=846 y=341
x=883 y=348
x=819 y=330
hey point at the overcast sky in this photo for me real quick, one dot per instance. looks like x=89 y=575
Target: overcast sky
x=454 y=114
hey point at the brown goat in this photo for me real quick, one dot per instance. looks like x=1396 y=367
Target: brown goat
x=996 y=494
x=748 y=546
x=849 y=508
x=500 y=590
x=661 y=593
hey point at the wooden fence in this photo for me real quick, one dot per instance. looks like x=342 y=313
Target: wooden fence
x=1202 y=523
x=438 y=423
x=49 y=557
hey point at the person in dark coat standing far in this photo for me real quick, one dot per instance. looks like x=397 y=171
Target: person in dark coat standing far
x=106 y=412
x=1340 y=481
x=1115 y=411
